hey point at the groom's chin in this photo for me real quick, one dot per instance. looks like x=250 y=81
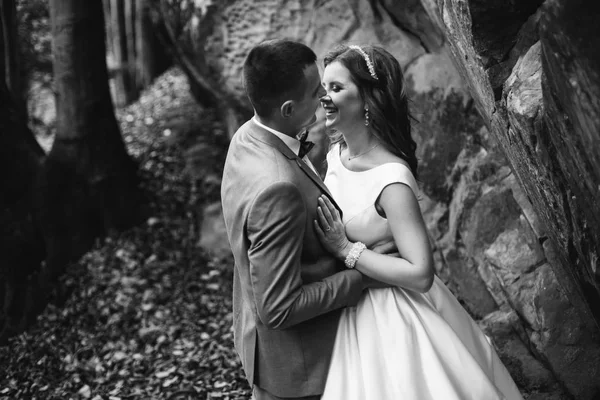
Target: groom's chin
x=311 y=121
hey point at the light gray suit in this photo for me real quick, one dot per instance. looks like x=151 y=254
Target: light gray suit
x=288 y=291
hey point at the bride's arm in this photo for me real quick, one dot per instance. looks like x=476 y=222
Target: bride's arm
x=414 y=268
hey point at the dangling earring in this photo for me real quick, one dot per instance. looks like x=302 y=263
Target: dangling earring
x=367 y=116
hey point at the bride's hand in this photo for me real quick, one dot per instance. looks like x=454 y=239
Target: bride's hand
x=330 y=229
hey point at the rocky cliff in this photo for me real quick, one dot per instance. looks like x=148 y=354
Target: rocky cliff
x=508 y=119
x=533 y=68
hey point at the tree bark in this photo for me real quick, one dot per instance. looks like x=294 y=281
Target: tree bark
x=108 y=34
x=136 y=53
x=130 y=34
x=119 y=50
x=149 y=60
x=89 y=183
x=8 y=13
x=21 y=243
x=3 y=46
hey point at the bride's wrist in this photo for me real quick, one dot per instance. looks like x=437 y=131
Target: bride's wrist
x=353 y=254
x=345 y=250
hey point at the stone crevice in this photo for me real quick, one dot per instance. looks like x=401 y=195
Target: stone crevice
x=400 y=26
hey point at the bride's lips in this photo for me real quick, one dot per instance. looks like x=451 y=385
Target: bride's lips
x=329 y=109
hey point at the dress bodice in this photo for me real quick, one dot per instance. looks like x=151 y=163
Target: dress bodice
x=357 y=192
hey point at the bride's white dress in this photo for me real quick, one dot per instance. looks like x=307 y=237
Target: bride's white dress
x=397 y=343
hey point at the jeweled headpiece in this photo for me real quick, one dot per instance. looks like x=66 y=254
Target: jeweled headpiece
x=367 y=60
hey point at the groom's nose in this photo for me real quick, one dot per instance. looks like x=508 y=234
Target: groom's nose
x=321 y=92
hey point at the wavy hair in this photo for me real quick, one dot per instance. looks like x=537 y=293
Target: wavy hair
x=385 y=97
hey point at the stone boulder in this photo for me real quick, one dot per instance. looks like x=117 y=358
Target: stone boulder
x=319 y=24
x=533 y=72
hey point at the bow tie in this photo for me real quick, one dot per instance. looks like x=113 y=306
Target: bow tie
x=305 y=145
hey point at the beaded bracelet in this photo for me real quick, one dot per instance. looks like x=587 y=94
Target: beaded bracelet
x=354 y=254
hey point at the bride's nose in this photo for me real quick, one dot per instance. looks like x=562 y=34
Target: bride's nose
x=325 y=99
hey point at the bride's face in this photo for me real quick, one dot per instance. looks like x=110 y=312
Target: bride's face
x=343 y=105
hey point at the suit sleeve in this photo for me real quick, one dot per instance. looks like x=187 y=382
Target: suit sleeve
x=276 y=226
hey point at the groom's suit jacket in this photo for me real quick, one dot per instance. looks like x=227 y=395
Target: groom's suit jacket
x=287 y=290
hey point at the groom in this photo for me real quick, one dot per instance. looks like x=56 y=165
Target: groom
x=287 y=291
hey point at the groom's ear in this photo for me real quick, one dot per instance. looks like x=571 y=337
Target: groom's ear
x=287 y=109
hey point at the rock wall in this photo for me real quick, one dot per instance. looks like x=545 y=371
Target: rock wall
x=489 y=223
x=534 y=71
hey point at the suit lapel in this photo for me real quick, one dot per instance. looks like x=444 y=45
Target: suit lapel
x=267 y=137
x=313 y=176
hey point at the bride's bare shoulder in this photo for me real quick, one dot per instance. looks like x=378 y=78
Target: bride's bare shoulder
x=386 y=157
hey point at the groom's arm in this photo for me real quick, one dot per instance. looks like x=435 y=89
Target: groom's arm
x=276 y=228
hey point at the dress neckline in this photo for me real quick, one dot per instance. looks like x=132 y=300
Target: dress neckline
x=339 y=157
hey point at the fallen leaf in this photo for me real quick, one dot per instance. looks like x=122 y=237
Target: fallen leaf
x=164 y=374
x=85 y=391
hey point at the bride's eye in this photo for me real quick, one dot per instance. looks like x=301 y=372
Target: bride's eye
x=335 y=88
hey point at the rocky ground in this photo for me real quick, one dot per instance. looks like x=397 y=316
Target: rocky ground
x=147 y=313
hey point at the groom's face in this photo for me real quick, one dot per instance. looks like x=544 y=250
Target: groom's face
x=307 y=103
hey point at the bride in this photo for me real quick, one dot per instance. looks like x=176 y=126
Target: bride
x=410 y=339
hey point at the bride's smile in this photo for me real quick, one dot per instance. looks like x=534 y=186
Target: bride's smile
x=343 y=104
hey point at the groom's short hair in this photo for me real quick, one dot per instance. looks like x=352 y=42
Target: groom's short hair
x=273 y=70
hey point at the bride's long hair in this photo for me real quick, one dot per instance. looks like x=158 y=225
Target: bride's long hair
x=384 y=96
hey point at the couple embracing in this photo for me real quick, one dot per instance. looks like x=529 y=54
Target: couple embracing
x=334 y=294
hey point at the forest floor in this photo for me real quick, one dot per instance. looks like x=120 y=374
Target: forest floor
x=148 y=312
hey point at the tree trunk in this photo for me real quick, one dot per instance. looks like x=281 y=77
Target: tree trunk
x=89 y=183
x=21 y=243
x=8 y=14
x=129 y=19
x=150 y=60
x=136 y=53
x=119 y=50
x=3 y=46
x=108 y=28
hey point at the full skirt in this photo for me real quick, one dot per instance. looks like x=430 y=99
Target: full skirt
x=400 y=344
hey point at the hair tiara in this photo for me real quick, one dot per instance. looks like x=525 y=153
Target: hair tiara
x=367 y=60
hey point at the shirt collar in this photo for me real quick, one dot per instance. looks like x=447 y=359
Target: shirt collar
x=292 y=143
